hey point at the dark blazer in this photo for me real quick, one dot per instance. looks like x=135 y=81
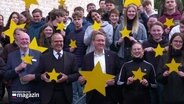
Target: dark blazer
x=47 y=63
x=112 y=67
x=14 y=59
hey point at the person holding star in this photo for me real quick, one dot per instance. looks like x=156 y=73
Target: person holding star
x=128 y=32
x=20 y=70
x=137 y=76
x=98 y=24
x=171 y=71
x=153 y=53
x=57 y=70
x=109 y=65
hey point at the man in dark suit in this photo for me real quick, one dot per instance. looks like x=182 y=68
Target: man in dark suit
x=21 y=74
x=59 y=91
x=110 y=65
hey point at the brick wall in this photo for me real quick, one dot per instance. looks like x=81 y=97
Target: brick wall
x=8 y=6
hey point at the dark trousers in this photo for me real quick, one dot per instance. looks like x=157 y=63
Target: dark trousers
x=59 y=97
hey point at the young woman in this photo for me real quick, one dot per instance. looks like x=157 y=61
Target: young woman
x=45 y=35
x=138 y=32
x=137 y=91
x=173 y=82
x=105 y=27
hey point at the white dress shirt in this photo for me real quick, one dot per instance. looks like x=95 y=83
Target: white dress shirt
x=56 y=54
x=101 y=59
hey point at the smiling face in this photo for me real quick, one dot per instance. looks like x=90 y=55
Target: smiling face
x=57 y=42
x=96 y=17
x=137 y=50
x=177 y=43
x=156 y=32
x=48 y=31
x=99 y=42
x=131 y=13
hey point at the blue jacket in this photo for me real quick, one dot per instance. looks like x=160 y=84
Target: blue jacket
x=34 y=29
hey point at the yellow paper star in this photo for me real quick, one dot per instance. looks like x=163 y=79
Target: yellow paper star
x=73 y=44
x=173 y=66
x=96 y=79
x=60 y=26
x=159 y=50
x=34 y=45
x=125 y=32
x=136 y=2
x=96 y=26
x=10 y=31
x=62 y=2
x=53 y=75
x=138 y=74
x=169 y=22
x=29 y=2
x=27 y=59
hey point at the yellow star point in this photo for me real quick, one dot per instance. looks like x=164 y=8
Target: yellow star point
x=96 y=26
x=73 y=44
x=62 y=2
x=11 y=30
x=53 y=75
x=96 y=79
x=125 y=32
x=27 y=59
x=60 y=26
x=173 y=66
x=34 y=45
x=169 y=22
x=138 y=74
x=29 y=2
x=159 y=50
x=135 y=2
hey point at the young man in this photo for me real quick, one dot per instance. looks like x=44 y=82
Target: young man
x=35 y=25
x=147 y=5
x=110 y=5
x=90 y=6
x=57 y=16
x=85 y=23
x=114 y=18
x=76 y=35
x=170 y=13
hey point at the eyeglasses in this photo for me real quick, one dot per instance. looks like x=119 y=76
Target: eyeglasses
x=177 y=41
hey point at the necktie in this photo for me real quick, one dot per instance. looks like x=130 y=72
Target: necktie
x=59 y=55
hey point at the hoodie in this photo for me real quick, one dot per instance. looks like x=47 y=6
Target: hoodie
x=107 y=28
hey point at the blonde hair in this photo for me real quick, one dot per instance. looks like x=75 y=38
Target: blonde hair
x=135 y=25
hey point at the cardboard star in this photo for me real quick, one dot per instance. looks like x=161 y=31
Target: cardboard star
x=60 y=26
x=27 y=59
x=173 y=66
x=73 y=44
x=29 y=2
x=96 y=26
x=169 y=22
x=12 y=28
x=53 y=75
x=138 y=74
x=136 y=2
x=96 y=79
x=62 y=2
x=125 y=32
x=159 y=50
x=34 y=45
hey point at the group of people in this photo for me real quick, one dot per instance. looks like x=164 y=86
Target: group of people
x=151 y=47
